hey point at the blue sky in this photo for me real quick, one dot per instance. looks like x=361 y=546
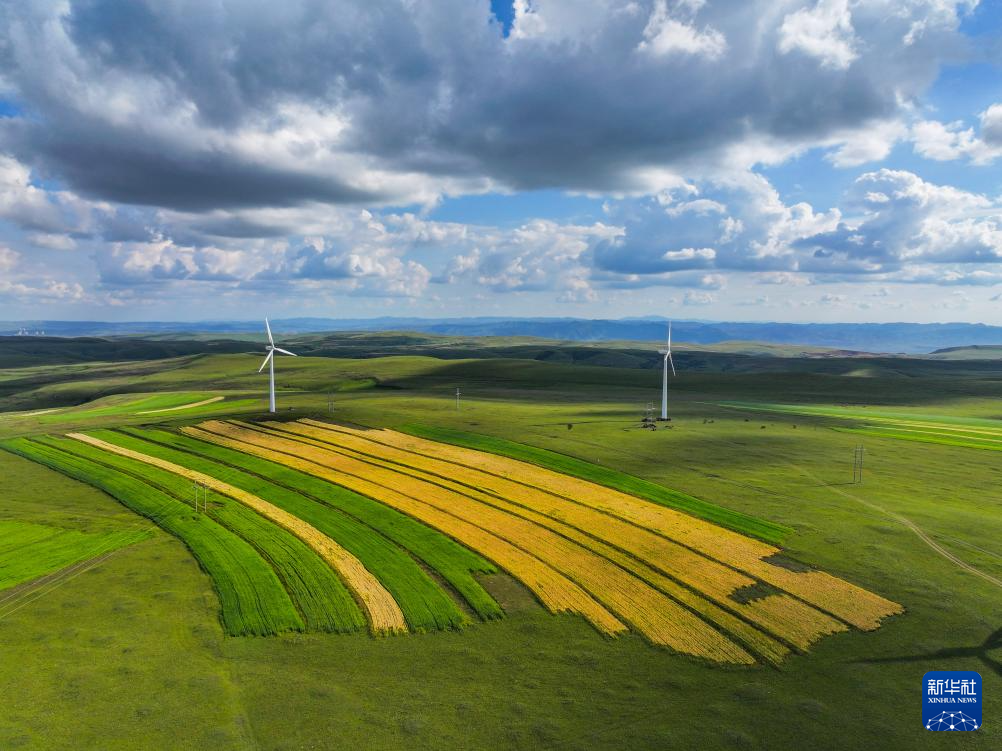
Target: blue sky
x=818 y=160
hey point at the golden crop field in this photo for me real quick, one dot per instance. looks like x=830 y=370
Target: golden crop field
x=659 y=618
x=383 y=613
x=620 y=561
x=851 y=604
x=630 y=546
x=555 y=591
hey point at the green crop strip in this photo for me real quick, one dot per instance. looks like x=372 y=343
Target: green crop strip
x=252 y=599
x=451 y=561
x=424 y=604
x=636 y=486
x=319 y=595
x=959 y=439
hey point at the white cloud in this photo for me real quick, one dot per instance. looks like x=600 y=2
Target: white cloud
x=912 y=222
x=254 y=109
x=949 y=141
x=870 y=143
x=824 y=32
x=52 y=241
x=991 y=125
x=665 y=35
x=8 y=259
x=698 y=298
x=45 y=292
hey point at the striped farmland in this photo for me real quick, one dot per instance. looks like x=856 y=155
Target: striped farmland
x=333 y=526
x=424 y=604
x=851 y=604
x=383 y=613
x=455 y=564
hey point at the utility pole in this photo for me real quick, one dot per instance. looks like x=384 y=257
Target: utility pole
x=201 y=495
x=330 y=402
x=457 y=399
x=857 y=465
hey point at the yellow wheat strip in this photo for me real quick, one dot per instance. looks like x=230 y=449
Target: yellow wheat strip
x=192 y=405
x=591 y=529
x=383 y=612
x=649 y=611
x=556 y=592
x=852 y=604
x=800 y=623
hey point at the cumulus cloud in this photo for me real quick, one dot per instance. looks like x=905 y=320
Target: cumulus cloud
x=697 y=298
x=903 y=222
x=665 y=35
x=200 y=107
x=944 y=142
x=44 y=292
x=366 y=257
x=236 y=145
x=8 y=259
x=823 y=32
x=991 y=125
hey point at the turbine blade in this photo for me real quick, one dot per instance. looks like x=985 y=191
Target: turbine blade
x=669 y=335
x=672 y=364
x=268 y=327
x=270 y=355
x=285 y=352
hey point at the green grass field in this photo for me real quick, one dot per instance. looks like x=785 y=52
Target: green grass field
x=116 y=657
x=948 y=430
x=28 y=551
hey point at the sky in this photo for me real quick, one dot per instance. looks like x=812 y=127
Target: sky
x=828 y=160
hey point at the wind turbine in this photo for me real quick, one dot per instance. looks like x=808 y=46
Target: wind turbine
x=664 y=379
x=269 y=360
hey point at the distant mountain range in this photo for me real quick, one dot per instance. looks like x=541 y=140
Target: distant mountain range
x=908 y=338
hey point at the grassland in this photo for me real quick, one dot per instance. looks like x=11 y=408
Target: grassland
x=532 y=680
x=28 y=551
x=252 y=599
x=948 y=430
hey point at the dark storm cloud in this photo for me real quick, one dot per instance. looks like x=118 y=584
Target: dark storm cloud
x=146 y=172
x=200 y=106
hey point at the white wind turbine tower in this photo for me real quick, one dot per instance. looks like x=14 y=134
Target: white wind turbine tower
x=664 y=379
x=269 y=360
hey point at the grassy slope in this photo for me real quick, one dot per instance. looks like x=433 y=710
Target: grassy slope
x=28 y=551
x=858 y=412
x=424 y=604
x=774 y=533
x=454 y=563
x=948 y=430
x=964 y=440
x=251 y=596
x=532 y=680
